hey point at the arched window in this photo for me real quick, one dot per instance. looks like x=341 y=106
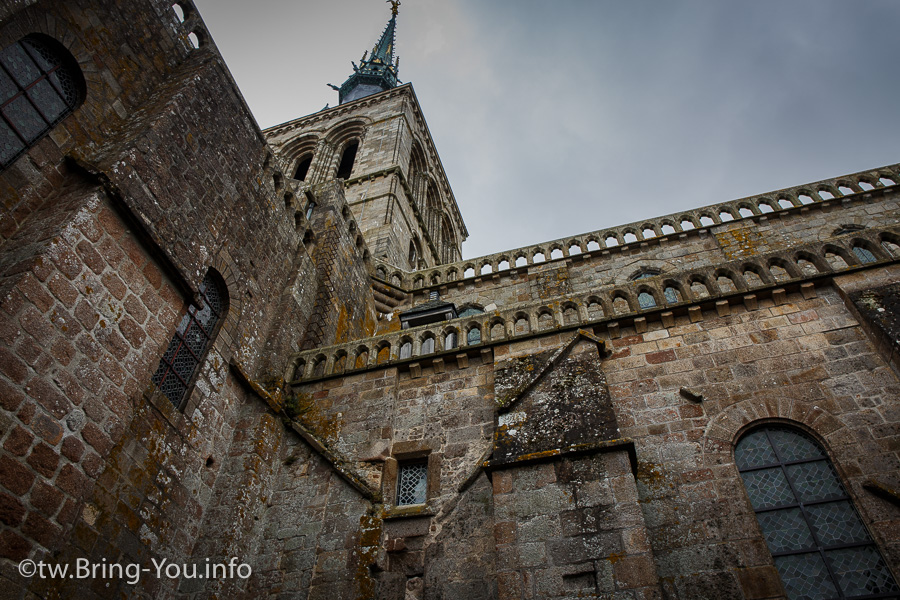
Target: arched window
x=820 y=546
x=406 y=350
x=303 y=167
x=646 y=300
x=345 y=168
x=450 y=341
x=467 y=310
x=413 y=255
x=428 y=345
x=192 y=338
x=474 y=336
x=40 y=84
x=864 y=255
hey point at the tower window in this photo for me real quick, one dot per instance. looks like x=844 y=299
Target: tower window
x=412 y=481
x=347 y=160
x=40 y=84
x=820 y=545
x=303 y=168
x=192 y=338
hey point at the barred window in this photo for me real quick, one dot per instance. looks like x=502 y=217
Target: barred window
x=820 y=545
x=412 y=483
x=192 y=338
x=40 y=84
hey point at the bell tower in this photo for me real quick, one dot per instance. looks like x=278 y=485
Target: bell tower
x=377 y=143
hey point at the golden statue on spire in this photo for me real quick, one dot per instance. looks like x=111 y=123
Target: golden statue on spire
x=394 y=5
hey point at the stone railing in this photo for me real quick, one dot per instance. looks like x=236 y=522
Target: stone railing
x=656 y=297
x=822 y=193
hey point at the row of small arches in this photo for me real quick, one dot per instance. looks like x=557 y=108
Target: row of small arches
x=646 y=292
x=601 y=240
x=197 y=37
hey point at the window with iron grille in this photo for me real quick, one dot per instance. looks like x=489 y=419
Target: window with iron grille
x=176 y=370
x=40 y=84
x=412 y=482
x=820 y=545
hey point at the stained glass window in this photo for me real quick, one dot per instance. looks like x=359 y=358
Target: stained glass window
x=188 y=345
x=40 y=84
x=411 y=483
x=820 y=545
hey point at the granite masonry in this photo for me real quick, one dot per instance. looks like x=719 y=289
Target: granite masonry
x=222 y=343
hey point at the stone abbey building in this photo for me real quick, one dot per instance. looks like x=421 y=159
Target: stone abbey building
x=222 y=343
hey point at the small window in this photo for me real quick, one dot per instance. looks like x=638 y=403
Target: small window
x=310 y=206
x=820 y=545
x=468 y=311
x=474 y=336
x=412 y=483
x=40 y=85
x=843 y=229
x=644 y=274
x=303 y=168
x=347 y=159
x=450 y=341
x=406 y=350
x=428 y=345
x=413 y=255
x=192 y=338
x=671 y=295
x=864 y=255
x=646 y=300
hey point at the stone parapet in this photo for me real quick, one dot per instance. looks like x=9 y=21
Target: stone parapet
x=742 y=281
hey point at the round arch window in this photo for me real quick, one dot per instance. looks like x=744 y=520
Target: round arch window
x=820 y=545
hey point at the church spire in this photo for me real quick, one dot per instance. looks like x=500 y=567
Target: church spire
x=377 y=72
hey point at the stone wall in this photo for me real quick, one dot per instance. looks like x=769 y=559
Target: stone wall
x=109 y=225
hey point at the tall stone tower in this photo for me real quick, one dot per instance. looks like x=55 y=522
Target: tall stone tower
x=376 y=141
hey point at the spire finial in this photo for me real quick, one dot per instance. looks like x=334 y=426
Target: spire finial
x=377 y=71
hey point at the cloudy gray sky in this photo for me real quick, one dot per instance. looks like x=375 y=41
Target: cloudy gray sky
x=559 y=117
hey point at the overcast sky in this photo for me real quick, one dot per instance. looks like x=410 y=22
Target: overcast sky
x=560 y=117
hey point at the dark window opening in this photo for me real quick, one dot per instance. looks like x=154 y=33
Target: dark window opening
x=843 y=229
x=347 y=160
x=188 y=346
x=40 y=85
x=303 y=168
x=820 y=545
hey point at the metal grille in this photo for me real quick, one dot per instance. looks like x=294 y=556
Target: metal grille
x=411 y=483
x=37 y=90
x=820 y=545
x=192 y=336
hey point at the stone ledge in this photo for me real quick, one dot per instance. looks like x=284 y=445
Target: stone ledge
x=626 y=444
